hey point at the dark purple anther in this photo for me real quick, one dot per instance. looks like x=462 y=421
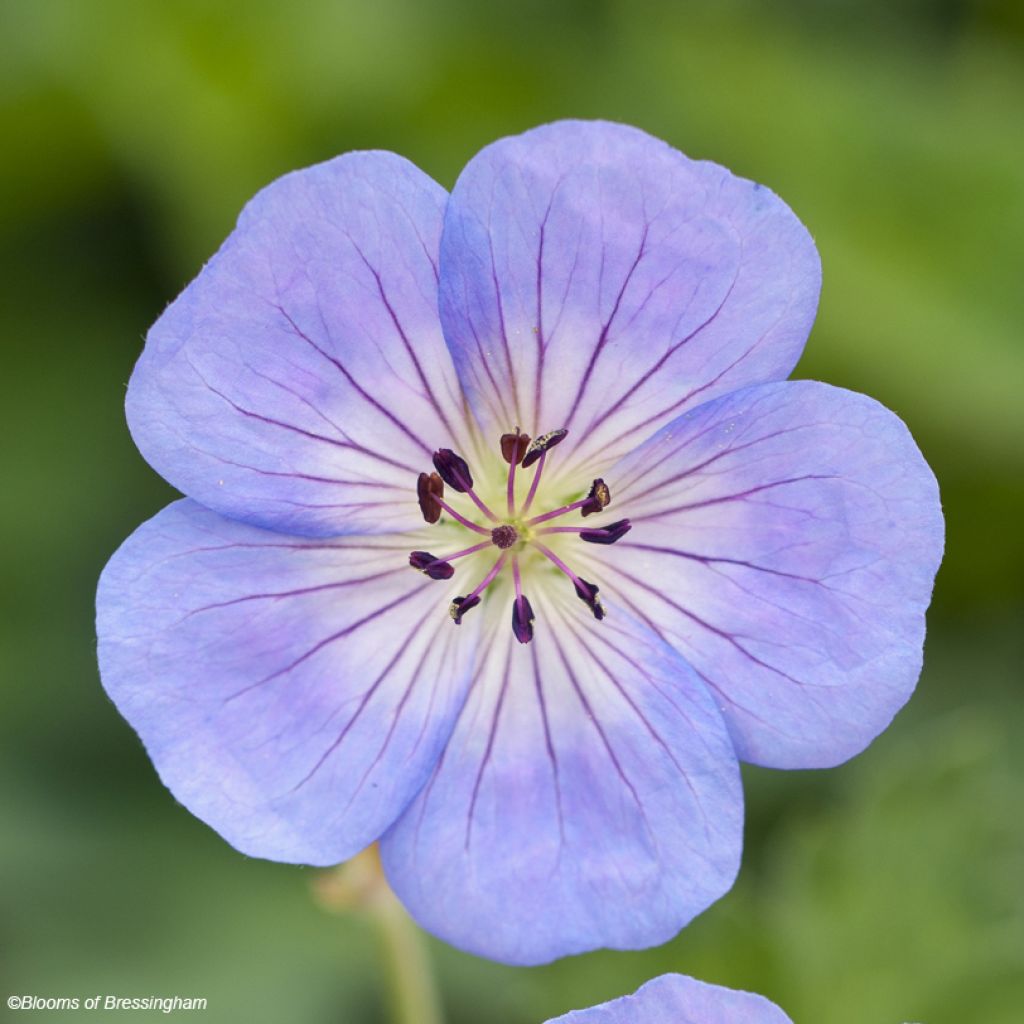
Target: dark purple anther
x=587 y=593
x=541 y=445
x=453 y=469
x=429 y=485
x=460 y=606
x=504 y=536
x=600 y=497
x=522 y=620
x=607 y=534
x=433 y=567
x=514 y=447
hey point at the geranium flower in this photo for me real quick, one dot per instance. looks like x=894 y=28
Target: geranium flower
x=677 y=999
x=505 y=539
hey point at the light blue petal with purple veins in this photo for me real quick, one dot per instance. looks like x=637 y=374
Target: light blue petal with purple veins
x=294 y=694
x=785 y=540
x=301 y=381
x=594 y=278
x=589 y=796
x=677 y=999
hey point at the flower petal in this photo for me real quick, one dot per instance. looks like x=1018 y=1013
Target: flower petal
x=677 y=999
x=293 y=694
x=589 y=796
x=785 y=540
x=592 y=277
x=301 y=381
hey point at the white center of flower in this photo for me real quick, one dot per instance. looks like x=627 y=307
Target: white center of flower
x=520 y=536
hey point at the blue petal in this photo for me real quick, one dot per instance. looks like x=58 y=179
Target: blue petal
x=785 y=539
x=301 y=381
x=294 y=694
x=589 y=797
x=594 y=278
x=677 y=999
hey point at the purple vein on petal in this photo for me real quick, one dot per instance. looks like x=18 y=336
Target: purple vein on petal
x=279 y=594
x=356 y=386
x=634 y=474
x=363 y=702
x=487 y=644
x=602 y=338
x=723 y=634
x=740 y=496
x=644 y=378
x=709 y=461
x=431 y=397
x=298 y=396
x=270 y=421
x=309 y=477
x=442 y=673
x=548 y=742
x=485 y=760
x=620 y=595
x=655 y=735
x=503 y=329
x=396 y=717
x=693 y=556
x=612 y=756
x=333 y=638
x=541 y=341
x=647 y=425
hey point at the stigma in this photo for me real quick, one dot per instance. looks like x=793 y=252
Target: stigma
x=511 y=533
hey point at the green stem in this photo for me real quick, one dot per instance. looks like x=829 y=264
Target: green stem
x=360 y=887
x=414 y=996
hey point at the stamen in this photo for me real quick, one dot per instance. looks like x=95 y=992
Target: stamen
x=538 y=450
x=513 y=448
x=517 y=450
x=429 y=490
x=461 y=605
x=439 y=568
x=461 y=519
x=595 y=535
x=456 y=475
x=522 y=613
x=534 y=483
x=435 y=568
x=543 y=444
x=586 y=592
x=522 y=620
x=597 y=499
x=453 y=469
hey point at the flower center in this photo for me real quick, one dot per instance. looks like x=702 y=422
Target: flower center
x=513 y=533
x=504 y=536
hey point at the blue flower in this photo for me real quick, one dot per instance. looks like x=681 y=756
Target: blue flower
x=505 y=538
x=677 y=999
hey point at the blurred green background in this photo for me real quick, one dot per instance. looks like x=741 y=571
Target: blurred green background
x=888 y=890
